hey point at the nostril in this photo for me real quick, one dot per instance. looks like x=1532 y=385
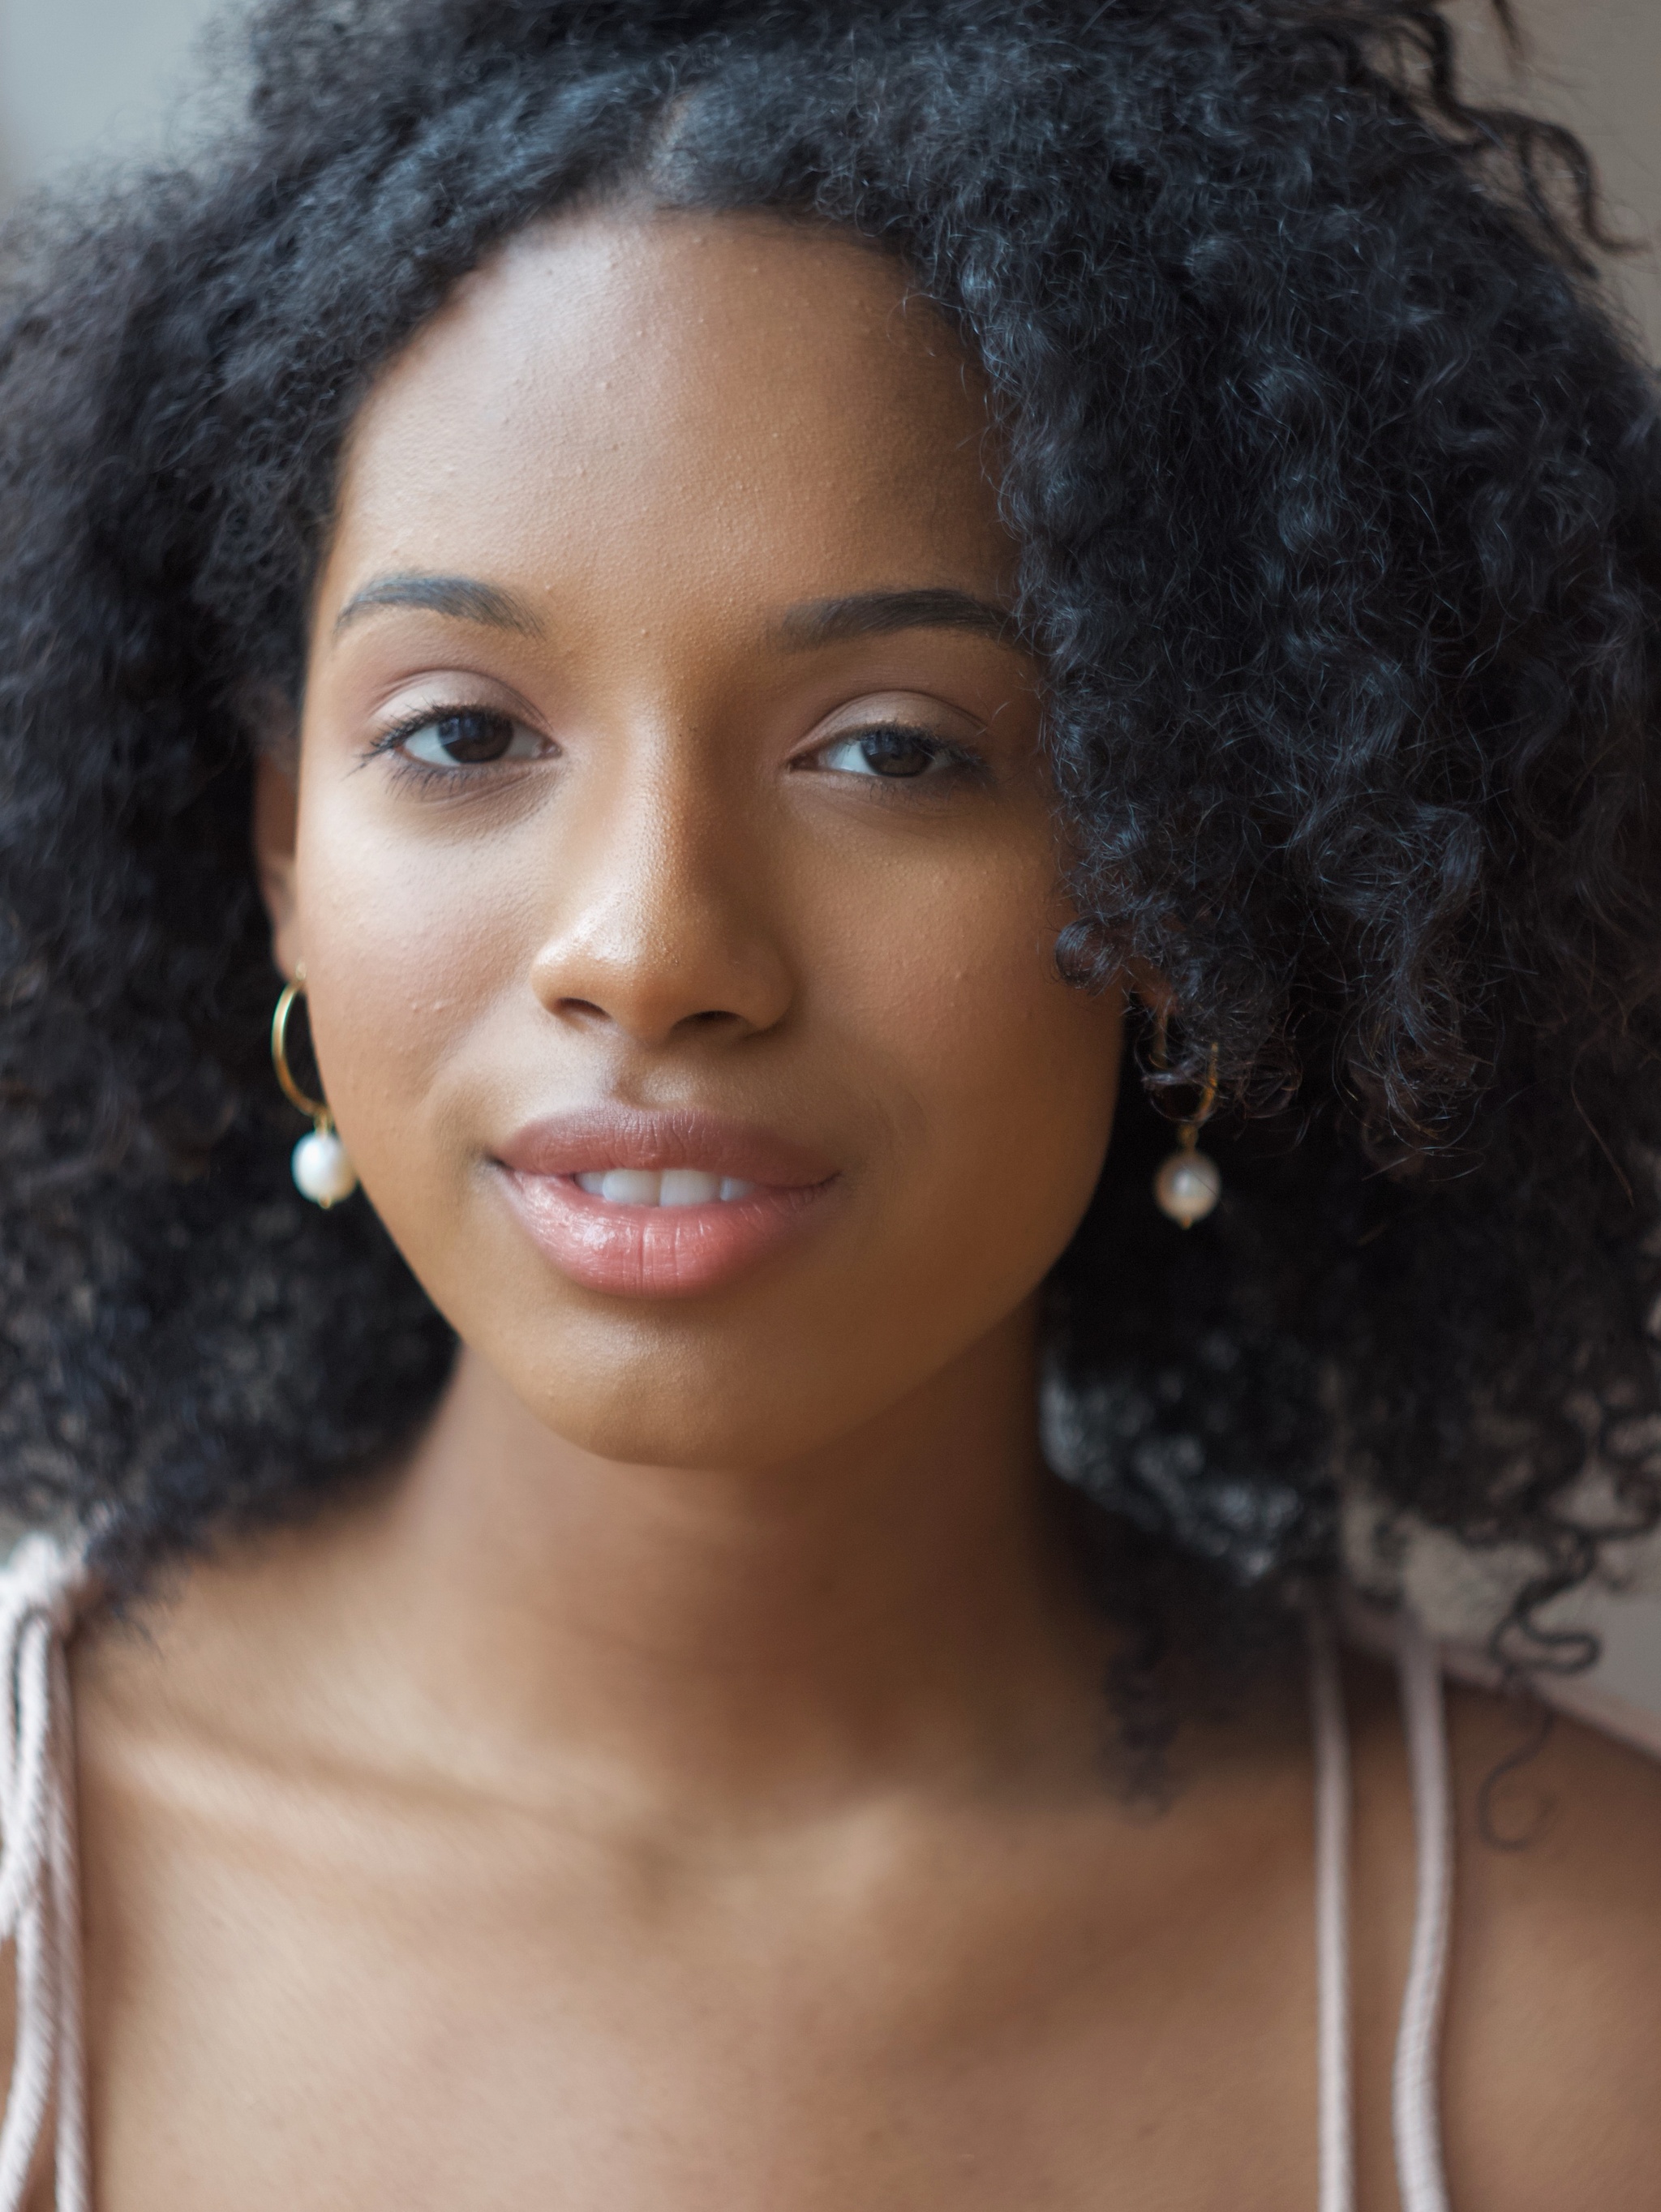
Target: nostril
x=581 y=1006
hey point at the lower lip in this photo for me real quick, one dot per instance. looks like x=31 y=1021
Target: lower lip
x=658 y=1251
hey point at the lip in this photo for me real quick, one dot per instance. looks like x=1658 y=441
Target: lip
x=660 y=1252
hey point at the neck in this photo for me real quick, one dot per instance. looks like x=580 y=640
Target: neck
x=895 y=1602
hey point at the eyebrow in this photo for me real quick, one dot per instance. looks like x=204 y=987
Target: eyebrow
x=873 y=614
x=815 y=622
x=464 y=598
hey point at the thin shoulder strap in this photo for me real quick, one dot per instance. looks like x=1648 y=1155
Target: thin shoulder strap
x=43 y=1586
x=1332 y=1801
x=1419 y=2178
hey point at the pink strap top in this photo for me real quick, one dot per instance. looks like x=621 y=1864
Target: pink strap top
x=44 y=1587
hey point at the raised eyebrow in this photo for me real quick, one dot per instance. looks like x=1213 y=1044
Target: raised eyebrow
x=873 y=614
x=464 y=598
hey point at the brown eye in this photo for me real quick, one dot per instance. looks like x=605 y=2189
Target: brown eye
x=472 y=737
x=893 y=754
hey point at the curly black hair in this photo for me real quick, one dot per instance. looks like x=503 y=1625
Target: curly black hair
x=1339 y=487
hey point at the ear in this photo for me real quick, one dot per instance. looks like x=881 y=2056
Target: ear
x=275 y=809
x=1150 y=988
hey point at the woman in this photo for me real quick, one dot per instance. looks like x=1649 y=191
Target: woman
x=796 y=643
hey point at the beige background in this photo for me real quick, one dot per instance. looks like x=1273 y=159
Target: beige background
x=89 y=79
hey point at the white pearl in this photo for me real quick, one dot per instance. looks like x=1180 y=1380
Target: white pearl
x=323 y=1171
x=1187 y=1187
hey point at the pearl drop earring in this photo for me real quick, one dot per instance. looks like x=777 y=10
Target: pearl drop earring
x=1189 y=1183
x=323 y=1169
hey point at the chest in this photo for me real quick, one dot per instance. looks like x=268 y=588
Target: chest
x=302 y=2006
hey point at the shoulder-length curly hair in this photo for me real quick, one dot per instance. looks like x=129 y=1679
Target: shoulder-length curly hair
x=1339 y=489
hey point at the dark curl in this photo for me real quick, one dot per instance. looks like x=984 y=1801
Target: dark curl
x=1340 y=490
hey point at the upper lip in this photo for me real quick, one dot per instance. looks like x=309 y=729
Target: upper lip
x=590 y=1139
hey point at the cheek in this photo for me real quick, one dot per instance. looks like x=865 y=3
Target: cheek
x=999 y=1080
x=411 y=945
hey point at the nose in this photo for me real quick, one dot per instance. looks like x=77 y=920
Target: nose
x=665 y=928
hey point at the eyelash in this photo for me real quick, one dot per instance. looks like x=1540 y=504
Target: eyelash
x=945 y=754
x=390 y=741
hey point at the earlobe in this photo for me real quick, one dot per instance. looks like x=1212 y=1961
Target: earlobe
x=275 y=809
x=1148 y=987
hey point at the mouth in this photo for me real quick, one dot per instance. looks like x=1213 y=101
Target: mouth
x=660 y=1206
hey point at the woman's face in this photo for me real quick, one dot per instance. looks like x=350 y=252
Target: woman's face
x=674 y=869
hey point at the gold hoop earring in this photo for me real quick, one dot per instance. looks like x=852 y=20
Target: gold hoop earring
x=322 y=1167
x=1190 y=1182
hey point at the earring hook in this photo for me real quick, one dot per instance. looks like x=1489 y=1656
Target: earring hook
x=323 y=1171
x=1188 y=1185
x=317 y=1108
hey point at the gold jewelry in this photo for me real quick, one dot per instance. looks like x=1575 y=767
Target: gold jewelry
x=1189 y=1183
x=323 y=1171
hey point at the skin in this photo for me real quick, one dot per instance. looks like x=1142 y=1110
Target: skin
x=685 y=1781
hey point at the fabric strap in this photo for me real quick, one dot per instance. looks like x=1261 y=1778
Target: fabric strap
x=1332 y=1818
x=1421 y=2181
x=41 y=1592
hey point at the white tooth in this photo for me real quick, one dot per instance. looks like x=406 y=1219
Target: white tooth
x=688 y=1187
x=732 y=1187
x=594 y=1184
x=629 y=1185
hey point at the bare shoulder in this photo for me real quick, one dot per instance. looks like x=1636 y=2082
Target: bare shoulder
x=1551 y=2079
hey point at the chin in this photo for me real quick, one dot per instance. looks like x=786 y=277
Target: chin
x=660 y=1410
x=675 y=1430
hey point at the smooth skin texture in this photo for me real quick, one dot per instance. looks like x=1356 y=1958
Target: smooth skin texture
x=685 y=1785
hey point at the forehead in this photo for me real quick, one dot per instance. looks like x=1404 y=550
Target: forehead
x=626 y=394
